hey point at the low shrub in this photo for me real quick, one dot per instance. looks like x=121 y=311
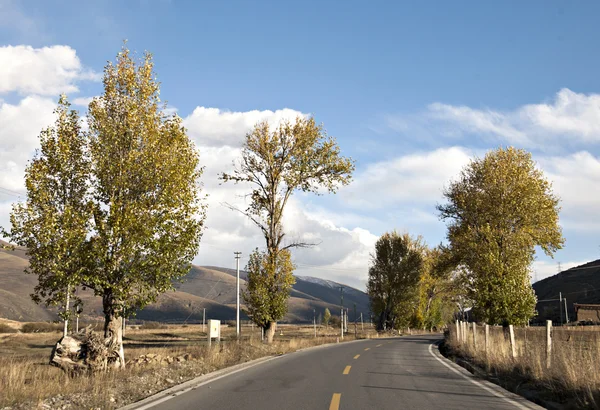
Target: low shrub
x=41 y=327
x=4 y=328
x=153 y=325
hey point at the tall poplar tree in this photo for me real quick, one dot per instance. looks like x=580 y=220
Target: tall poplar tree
x=498 y=211
x=147 y=211
x=296 y=156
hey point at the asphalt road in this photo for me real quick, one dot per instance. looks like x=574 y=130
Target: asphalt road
x=398 y=373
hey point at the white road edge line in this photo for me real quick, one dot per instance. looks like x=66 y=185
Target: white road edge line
x=180 y=392
x=475 y=382
x=170 y=395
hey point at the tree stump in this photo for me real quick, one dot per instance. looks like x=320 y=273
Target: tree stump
x=84 y=352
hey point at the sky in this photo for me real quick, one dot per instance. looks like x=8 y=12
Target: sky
x=412 y=91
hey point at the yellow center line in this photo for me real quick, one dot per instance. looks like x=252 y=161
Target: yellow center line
x=335 y=401
x=347 y=370
x=356 y=357
x=377 y=345
x=367 y=349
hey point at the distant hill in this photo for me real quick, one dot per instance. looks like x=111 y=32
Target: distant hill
x=205 y=287
x=580 y=284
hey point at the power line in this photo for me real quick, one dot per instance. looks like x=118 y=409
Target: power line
x=305 y=266
x=10 y=192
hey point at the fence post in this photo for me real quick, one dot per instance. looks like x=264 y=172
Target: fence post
x=457 y=331
x=464 y=332
x=548 y=343
x=487 y=346
x=511 y=329
x=474 y=336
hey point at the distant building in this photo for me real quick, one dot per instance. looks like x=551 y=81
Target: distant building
x=587 y=312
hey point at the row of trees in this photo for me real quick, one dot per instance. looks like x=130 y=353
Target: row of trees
x=118 y=208
x=408 y=285
x=498 y=211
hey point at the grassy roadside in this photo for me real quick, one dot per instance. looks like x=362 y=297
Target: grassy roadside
x=157 y=359
x=571 y=382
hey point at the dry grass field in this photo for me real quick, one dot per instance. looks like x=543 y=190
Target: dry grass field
x=157 y=359
x=573 y=377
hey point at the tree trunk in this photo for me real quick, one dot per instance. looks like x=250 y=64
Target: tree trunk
x=270 y=331
x=113 y=329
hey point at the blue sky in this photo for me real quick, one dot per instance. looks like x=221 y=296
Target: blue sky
x=411 y=90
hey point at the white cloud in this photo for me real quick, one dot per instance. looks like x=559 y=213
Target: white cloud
x=83 y=101
x=20 y=126
x=341 y=254
x=43 y=71
x=576 y=180
x=412 y=179
x=215 y=128
x=571 y=118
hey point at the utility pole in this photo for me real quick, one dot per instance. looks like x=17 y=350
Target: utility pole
x=566 y=312
x=342 y=310
x=315 y=322
x=346 y=320
x=560 y=307
x=237 y=295
x=355 y=329
x=203 y=317
x=362 y=327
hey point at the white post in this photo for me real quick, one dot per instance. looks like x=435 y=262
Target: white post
x=362 y=327
x=487 y=339
x=474 y=336
x=203 y=321
x=237 y=295
x=548 y=343
x=67 y=310
x=315 y=323
x=512 y=341
x=566 y=312
x=487 y=347
x=342 y=323
x=458 y=331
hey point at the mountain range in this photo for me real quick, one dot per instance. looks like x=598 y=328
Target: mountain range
x=205 y=290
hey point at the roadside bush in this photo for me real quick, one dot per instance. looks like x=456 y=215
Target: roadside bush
x=4 y=328
x=41 y=327
x=153 y=326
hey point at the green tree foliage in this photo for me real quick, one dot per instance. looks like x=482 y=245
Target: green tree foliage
x=148 y=213
x=326 y=317
x=500 y=209
x=117 y=210
x=270 y=281
x=297 y=156
x=438 y=290
x=55 y=219
x=394 y=277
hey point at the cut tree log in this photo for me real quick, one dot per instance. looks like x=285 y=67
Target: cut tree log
x=84 y=352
